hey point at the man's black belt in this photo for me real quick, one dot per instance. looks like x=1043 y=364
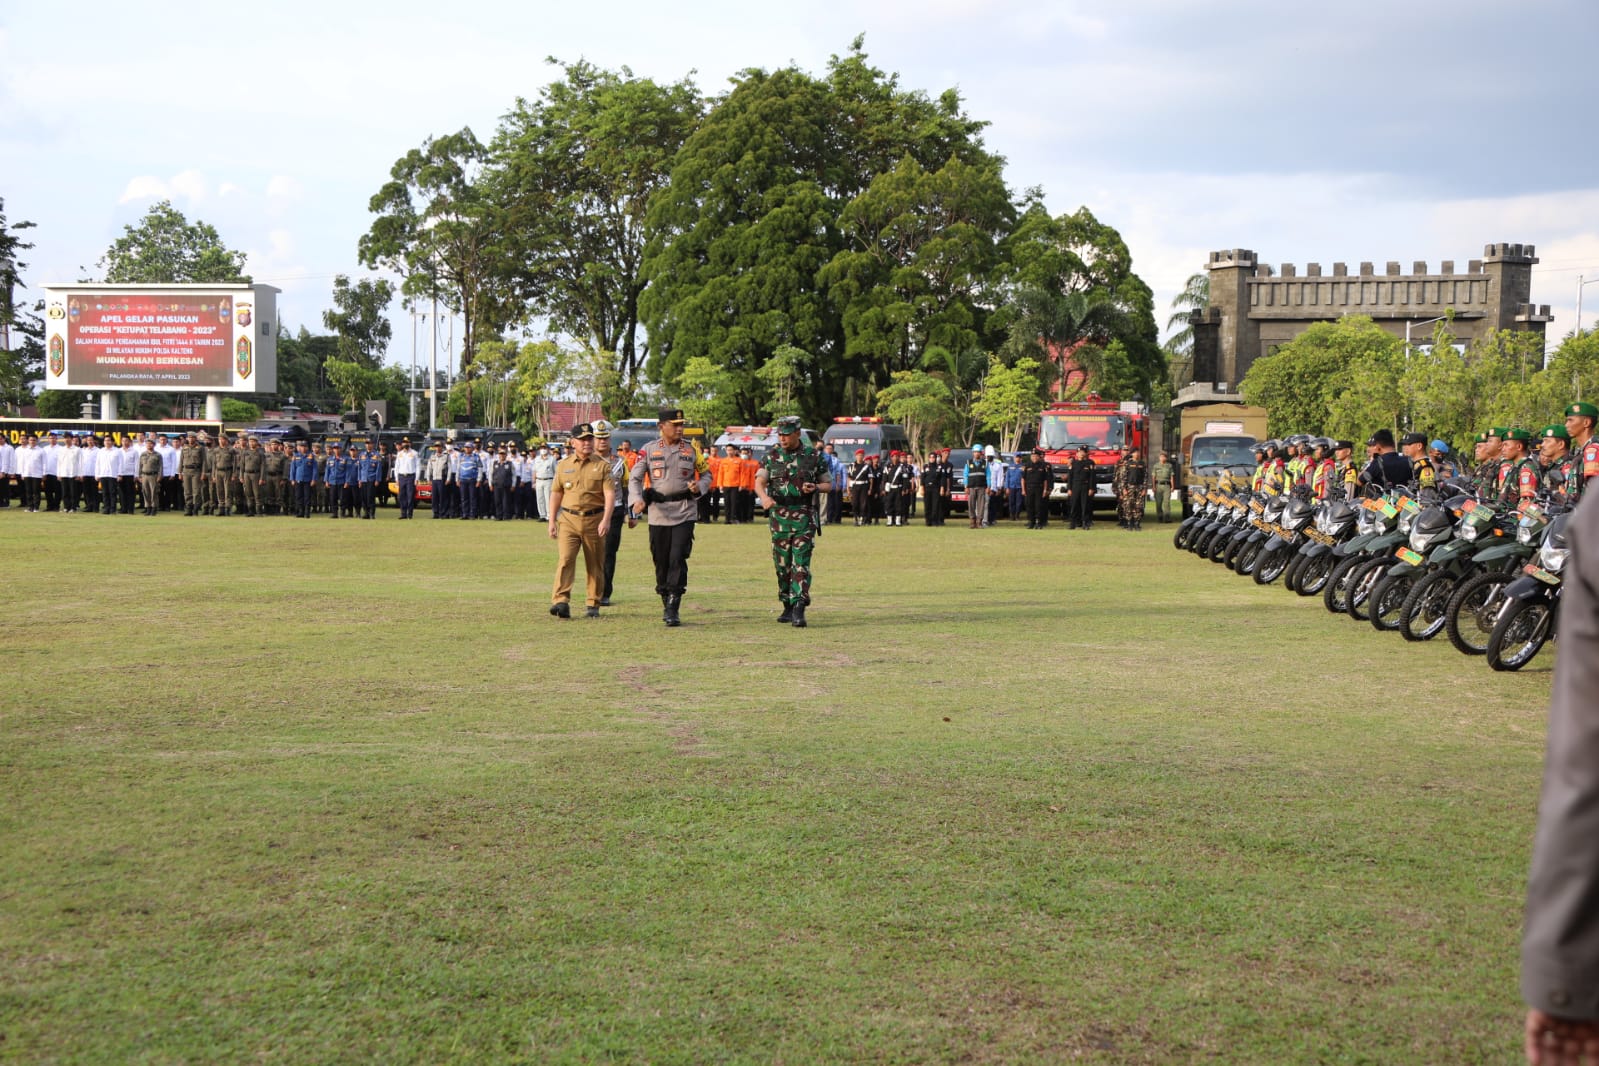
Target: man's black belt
x=582 y=514
x=672 y=497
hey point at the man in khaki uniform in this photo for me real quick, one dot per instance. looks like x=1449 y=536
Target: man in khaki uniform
x=150 y=477
x=581 y=499
x=251 y=464
x=191 y=467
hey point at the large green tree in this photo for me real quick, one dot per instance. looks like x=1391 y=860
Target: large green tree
x=166 y=247
x=440 y=229
x=916 y=269
x=756 y=209
x=21 y=328
x=360 y=319
x=1072 y=290
x=574 y=170
x=1297 y=382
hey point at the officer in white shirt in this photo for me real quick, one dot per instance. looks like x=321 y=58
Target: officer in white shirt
x=30 y=469
x=407 y=464
x=107 y=462
x=127 y=474
x=171 y=484
x=47 y=471
x=67 y=475
x=8 y=470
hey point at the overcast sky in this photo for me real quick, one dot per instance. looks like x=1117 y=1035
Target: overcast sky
x=1306 y=132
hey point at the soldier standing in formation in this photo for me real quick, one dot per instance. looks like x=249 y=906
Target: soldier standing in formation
x=678 y=476
x=937 y=475
x=223 y=465
x=150 y=478
x=407 y=464
x=1080 y=490
x=251 y=465
x=274 y=470
x=860 y=487
x=897 y=482
x=302 y=475
x=191 y=467
x=790 y=476
x=1163 y=477
x=1038 y=481
x=1132 y=474
x=1580 y=420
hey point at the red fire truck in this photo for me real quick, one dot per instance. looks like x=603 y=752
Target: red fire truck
x=1109 y=429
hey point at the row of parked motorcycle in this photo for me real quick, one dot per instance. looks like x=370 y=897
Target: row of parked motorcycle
x=1422 y=563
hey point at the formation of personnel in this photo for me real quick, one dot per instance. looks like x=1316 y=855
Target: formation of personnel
x=1510 y=464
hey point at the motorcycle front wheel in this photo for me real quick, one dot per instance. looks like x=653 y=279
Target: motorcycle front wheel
x=1426 y=609
x=1335 y=597
x=1519 y=635
x=1388 y=601
x=1473 y=609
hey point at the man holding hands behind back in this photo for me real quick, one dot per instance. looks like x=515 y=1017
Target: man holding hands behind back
x=581 y=498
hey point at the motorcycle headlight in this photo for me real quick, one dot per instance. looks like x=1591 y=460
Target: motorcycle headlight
x=1420 y=542
x=1525 y=534
x=1552 y=558
x=1469 y=531
x=1406 y=520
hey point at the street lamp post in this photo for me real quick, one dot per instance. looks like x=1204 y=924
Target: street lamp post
x=1424 y=322
x=1580 y=285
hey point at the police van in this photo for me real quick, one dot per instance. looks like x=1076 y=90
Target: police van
x=872 y=436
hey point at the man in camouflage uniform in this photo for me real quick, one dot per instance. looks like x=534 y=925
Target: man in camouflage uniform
x=1128 y=482
x=1580 y=420
x=1486 y=475
x=1558 y=465
x=1519 y=477
x=787 y=483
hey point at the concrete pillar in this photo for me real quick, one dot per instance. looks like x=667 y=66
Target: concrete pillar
x=213 y=407
x=108 y=406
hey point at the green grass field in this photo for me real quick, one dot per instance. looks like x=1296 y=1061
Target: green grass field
x=314 y=791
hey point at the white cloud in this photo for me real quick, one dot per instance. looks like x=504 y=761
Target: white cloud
x=189 y=186
x=283 y=187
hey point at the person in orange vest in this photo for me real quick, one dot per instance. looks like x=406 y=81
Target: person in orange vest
x=713 y=499
x=747 y=469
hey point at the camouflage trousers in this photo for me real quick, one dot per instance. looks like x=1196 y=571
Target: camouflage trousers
x=792 y=541
x=1130 y=505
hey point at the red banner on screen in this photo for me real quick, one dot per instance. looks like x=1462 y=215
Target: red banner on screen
x=121 y=341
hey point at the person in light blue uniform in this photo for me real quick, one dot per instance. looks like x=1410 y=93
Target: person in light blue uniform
x=368 y=469
x=302 y=472
x=470 y=474
x=336 y=468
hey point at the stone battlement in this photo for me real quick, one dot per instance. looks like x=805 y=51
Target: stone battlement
x=1254 y=307
x=1246 y=260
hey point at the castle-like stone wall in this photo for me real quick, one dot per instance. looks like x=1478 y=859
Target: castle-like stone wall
x=1254 y=308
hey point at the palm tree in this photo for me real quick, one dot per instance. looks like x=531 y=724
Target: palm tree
x=1194 y=297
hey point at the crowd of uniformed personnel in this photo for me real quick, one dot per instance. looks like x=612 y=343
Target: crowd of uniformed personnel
x=1510 y=464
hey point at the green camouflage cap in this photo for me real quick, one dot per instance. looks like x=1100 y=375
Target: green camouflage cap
x=788 y=424
x=1518 y=434
x=1558 y=432
x=1583 y=410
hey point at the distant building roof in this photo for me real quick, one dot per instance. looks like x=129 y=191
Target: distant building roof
x=564 y=414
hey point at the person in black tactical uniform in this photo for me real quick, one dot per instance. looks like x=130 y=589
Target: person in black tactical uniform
x=860 y=487
x=896 y=480
x=936 y=475
x=1038 y=481
x=1080 y=490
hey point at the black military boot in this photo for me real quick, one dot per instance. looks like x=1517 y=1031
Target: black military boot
x=798 y=611
x=673 y=602
x=787 y=615
x=561 y=610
